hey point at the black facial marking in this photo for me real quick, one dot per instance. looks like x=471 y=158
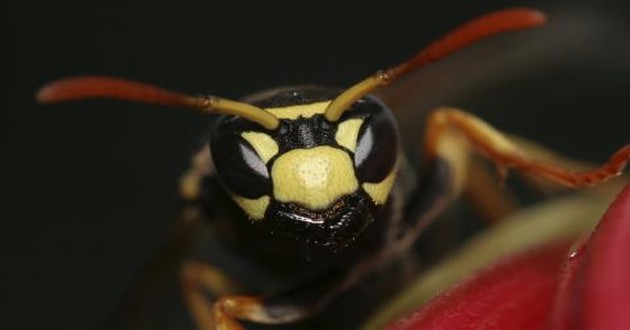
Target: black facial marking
x=333 y=228
x=305 y=133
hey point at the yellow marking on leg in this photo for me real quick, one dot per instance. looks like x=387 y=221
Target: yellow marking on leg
x=302 y=110
x=348 y=132
x=263 y=144
x=197 y=277
x=454 y=149
x=244 y=307
x=201 y=166
x=488 y=197
x=255 y=208
x=210 y=278
x=190 y=186
x=314 y=178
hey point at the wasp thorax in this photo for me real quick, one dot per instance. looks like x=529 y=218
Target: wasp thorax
x=320 y=182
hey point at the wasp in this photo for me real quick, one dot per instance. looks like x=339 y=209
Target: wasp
x=307 y=189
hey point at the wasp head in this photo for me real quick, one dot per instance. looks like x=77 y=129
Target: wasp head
x=318 y=181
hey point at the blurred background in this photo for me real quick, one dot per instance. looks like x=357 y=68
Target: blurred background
x=92 y=186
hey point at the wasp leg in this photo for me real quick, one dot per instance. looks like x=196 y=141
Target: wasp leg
x=450 y=138
x=451 y=134
x=543 y=153
x=286 y=307
x=489 y=199
x=494 y=201
x=201 y=166
x=198 y=278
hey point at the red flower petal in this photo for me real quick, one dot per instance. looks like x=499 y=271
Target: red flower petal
x=594 y=291
x=561 y=315
x=607 y=278
x=516 y=293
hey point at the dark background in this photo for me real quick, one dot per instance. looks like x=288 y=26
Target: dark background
x=92 y=185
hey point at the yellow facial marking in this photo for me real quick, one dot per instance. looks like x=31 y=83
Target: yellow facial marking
x=314 y=178
x=347 y=133
x=255 y=208
x=380 y=191
x=263 y=144
x=304 y=110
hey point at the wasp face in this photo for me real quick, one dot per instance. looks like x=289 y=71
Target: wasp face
x=317 y=181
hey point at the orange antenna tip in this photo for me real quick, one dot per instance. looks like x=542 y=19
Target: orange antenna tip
x=479 y=28
x=87 y=87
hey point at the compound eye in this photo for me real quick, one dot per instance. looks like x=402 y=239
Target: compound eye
x=240 y=168
x=377 y=148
